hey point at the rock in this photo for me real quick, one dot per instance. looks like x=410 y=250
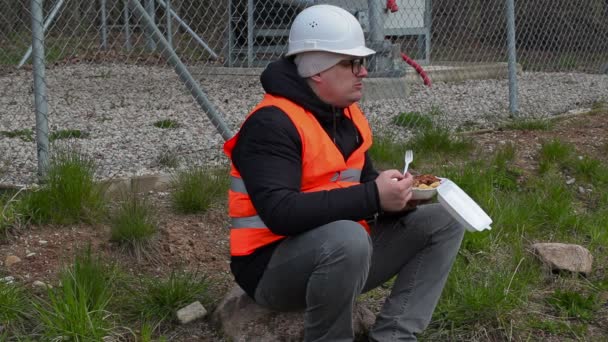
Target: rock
x=191 y=313
x=8 y=280
x=11 y=260
x=29 y=255
x=568 y=257
x=570 y=181
x=43 y=242
x=40 y=285
x=241 y=319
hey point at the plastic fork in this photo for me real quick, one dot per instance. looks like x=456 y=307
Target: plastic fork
x=409 y=156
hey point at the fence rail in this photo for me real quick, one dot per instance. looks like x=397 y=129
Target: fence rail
x=110 y=80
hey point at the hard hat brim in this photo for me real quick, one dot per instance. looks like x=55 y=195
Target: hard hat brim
x=361 y=51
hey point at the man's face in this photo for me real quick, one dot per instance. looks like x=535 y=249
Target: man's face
x=341 y=85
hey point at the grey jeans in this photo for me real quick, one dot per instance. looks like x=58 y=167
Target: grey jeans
x=325 y=269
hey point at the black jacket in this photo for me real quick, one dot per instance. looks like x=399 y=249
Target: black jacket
x=268 y=155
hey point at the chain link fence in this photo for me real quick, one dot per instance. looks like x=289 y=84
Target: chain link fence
x=117 y=89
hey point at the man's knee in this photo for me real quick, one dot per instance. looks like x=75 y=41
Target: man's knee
x=348 y=242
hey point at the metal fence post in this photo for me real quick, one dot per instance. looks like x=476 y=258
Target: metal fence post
x=513 y=100
x=40 y=96
x=154 y=33
x=104 y=25
x=250 y=40
x=47 y=23
x=185 y=26
x=168 y=17
x=127 y=27
x=150 y=8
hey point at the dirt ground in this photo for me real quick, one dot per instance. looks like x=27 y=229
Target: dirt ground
x=199 y=242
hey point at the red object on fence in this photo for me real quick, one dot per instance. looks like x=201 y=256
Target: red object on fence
x=391 y=5
x=418 y=68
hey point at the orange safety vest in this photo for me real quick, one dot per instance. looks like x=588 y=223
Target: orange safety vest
x=323 y=168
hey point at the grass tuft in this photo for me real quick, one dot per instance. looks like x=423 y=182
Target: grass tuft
x=133 y=225
x=386 y=153
x=572 y=304
x=76 y=311
x=157 y=300
x=166 y=123
x=168 y=159
x=439 y=140
x=69 y=194
x=14 y=307
x=413 y=120
x=196 y=189
x=552 y=153
x=9 y=213
x=23 y=134
x=589 y=169
x=528 y=124
x=68 y=134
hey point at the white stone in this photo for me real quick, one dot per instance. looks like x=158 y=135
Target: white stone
x=40 y=285
x=8 y=280
x=191 y=313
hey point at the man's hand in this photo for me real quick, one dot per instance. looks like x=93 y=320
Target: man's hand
x=394 y=189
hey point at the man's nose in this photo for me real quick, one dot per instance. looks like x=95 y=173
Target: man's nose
x=362 y=71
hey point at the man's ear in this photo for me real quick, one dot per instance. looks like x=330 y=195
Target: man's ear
x=316 y=78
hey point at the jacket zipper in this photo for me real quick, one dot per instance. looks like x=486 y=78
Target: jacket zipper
x=335 y=114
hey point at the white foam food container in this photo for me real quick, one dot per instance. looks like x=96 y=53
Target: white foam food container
x=425 y=194
x=462 y=207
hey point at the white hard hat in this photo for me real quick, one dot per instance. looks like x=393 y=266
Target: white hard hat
x=327 y=28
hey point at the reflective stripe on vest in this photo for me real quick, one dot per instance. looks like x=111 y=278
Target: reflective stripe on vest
x=248 y=222
x=348 y=175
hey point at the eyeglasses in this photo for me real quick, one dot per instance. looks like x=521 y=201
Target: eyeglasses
x=355 y=64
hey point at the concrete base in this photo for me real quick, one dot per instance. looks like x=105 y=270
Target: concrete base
x=114 y=188
x=380 y=88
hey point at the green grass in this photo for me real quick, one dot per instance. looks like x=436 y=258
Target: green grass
x=67 y=134
x=69 y=193
x=572 y=304
x=14 y=307
x=166 y=123
x=77 y=311
x=552 y=153
x=23 y=134
x=530 y=124
x=157 y=300
x=439 y=140
x=168 y=159
x=133 y=225
x=196 y=189
x=497 y=290
x=386 y=153
x=413 y=120
x=9 y=215
x=589 y=169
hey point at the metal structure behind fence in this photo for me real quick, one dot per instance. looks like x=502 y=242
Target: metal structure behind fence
x=120 y=74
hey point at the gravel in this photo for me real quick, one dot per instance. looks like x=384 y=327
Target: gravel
x=117 y=106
